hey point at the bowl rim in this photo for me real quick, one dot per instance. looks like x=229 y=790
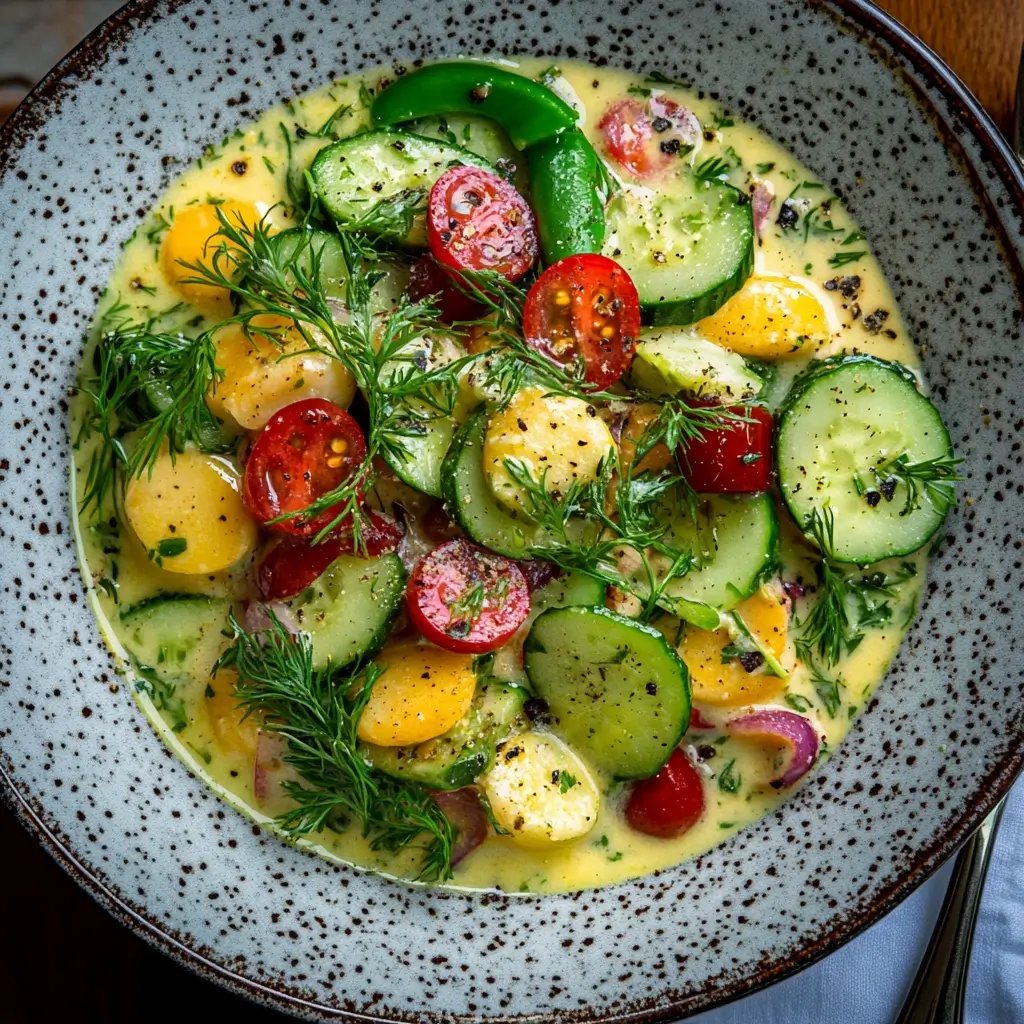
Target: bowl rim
x=877 y=26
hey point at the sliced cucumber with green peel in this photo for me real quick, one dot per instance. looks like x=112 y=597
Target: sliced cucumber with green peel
x=671 y=361
x=566 y=591
x=320 y=246
x=466 y=751
x=688 y=245
x=471 y=503
x=734 y=542
x=349 y=609
x=618 y=693
x=840 y=433
x=352 y=176
x=427 y=432
x=177 y=634
x=480 y=136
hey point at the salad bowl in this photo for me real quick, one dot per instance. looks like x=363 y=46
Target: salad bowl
x=920 y=167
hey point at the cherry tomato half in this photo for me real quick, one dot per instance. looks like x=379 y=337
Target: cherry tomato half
x=585 y=308
x=466 y=599
x=429 y=278
x=646 y=138
x=669 y=803
x=478 y=221
x=305 y=450
x=292 y=564
x=735 y=458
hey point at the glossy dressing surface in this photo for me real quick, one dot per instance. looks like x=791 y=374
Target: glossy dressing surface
x=253 y=167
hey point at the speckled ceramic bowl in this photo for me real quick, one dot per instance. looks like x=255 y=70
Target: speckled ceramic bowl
x=923 y=171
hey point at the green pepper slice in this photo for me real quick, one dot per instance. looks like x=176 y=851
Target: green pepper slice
x=564 y=184
x=528 y=112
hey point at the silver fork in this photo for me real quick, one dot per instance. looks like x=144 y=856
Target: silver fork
x=940 y=985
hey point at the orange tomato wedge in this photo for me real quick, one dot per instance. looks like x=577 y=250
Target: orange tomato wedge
x=770 y=317
x=728 y=684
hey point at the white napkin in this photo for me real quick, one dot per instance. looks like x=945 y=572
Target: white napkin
x=867 y=980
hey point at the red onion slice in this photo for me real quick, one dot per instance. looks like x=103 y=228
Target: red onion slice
x=786 y=727
x=462 y=808
x=762 y=200
x=258 y=617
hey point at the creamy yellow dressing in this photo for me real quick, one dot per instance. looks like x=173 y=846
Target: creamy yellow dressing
x=252 y=166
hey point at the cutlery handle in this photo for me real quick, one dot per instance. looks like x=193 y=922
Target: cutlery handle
x=937 y=993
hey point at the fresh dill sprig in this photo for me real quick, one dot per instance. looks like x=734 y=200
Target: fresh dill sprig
x=712 y=169
x=317 y=713
x=594 y=526
x=149 y=383
x=828 y=627
x=934 y=479
x=385 y=355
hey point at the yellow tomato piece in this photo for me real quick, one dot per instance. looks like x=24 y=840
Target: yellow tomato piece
x=540 y=791
x=422 y=692
x=191 y=238
x=560 y=440
x=770 y=317
x=729 y=683
x=261 y=378
x=189 y=515
x=235 y=734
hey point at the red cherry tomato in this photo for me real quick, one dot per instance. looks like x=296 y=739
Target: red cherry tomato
x=466 y=599
x=585 y=308
x=305 y=450
x=429 y=278
x=478 y=221
x=670 y=803
x=627 y=136
x=735 y=458
x=292 y=564
x=646 y=138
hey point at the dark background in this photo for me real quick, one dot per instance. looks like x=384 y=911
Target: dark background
x=61 y=956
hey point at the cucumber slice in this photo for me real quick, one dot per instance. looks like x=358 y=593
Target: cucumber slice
x=325 y=245
x=479 y=135
x=566 y=591
x=618 y=693
x=463 y=753
x=470 y=502
x=429 y=433
x=349 y=609
x=734 y=540
x=350 y=177
x=669 y=361
x=688 y=246
x=179 y=635
x=844 y=418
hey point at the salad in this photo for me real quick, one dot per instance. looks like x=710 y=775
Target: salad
x=511 y=477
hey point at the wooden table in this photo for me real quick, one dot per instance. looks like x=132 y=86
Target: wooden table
x=104 y=974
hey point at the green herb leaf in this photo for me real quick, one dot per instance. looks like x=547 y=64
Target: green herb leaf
x=317 y=713
x=729 y=780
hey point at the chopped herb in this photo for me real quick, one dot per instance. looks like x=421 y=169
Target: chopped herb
x=729 y=780
x=712 y=169
x=765 y=168
x=171 y=547
x=842 y=259
x=658 y=78
x=566 y=781
x=797 y=702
